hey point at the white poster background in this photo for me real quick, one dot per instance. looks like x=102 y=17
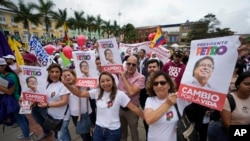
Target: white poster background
x=162 y=53
x=89 y=57
x=223 y=67
x=41 y=75
x=111 y=44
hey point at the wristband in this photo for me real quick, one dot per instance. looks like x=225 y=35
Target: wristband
x=47 y=105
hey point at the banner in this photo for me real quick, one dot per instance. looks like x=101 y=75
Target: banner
x=42 y=57
x=33 y=81
x=85 y=67
x=209 y=71
x=162 y=53
x=110 y=56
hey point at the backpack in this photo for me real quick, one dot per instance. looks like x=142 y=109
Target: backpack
x=215 y=114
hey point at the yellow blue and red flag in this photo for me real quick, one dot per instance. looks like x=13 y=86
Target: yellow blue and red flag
x=159 y=39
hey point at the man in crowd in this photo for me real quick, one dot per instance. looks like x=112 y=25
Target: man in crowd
x=131 y=82
x=175 y=68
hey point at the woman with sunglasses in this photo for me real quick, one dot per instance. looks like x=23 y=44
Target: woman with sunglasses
x=160 y=112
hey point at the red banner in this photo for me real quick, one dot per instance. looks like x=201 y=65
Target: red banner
x=86 y=82
x=33 y=97
x=113 y=69
x=208 y=98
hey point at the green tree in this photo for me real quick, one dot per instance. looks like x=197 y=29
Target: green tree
x=8 y=4
x=60 y=17
x=90 y=23
x=207 y=27
x=106 y=28
x=24 y=15
x=78 y=22
x=45 y=9
x=115 y=29
x=129 y=33
x=98 y=25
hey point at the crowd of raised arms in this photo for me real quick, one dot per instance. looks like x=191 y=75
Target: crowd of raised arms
x=144 y=90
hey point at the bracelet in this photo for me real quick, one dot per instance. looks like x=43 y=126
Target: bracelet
x=47 y=105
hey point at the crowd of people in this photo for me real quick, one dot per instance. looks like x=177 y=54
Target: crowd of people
x=146 y=89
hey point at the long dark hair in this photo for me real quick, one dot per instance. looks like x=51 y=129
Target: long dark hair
x=113 y=90
x=51 y=67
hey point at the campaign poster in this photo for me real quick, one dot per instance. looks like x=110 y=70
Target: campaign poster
x=110 y=56
x=209 y=71
x=86 y=70
x=33 y=81
x=162 y=53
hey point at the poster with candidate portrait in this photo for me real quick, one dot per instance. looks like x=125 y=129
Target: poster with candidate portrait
x=162 y=53
x=85 y=67
x=33 y=81
x=110 y=56
x=209 y=71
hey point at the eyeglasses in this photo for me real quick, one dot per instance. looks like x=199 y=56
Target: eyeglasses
x=131 y=64
x=156 y=83
x=31 y=81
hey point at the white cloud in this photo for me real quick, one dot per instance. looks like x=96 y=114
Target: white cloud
x=232 y=14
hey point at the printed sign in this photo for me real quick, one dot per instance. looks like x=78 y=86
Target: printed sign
x=209 y=71
x=110 y=58
x=33 y=82
x=161 y=53
x=34 y=97
x=86 y=70
x=42 y=57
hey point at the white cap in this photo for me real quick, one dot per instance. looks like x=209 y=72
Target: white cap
x=2 y=61
x=10 y=57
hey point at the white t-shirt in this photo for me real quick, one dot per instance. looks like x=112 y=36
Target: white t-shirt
x=54 y=93
x=74 y=105
x=107 y=115
x=165 y=128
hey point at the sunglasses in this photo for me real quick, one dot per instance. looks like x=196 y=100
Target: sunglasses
x=131 y=64
x=159 y=82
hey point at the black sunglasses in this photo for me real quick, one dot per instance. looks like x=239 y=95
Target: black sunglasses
x=129 y=64
x=156 y=83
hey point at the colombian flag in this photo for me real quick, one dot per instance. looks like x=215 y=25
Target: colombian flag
x=159 y=39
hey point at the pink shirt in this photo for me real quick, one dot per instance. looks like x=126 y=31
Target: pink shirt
x=136 y=80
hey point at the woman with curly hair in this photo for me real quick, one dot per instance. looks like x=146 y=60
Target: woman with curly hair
x=160 y=112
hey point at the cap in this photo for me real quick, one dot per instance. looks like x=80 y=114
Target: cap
x=9 y=57
x=29 y=57
x=178 y=53
x=2 y=61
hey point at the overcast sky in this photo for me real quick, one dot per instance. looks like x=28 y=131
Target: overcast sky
x=234 y=14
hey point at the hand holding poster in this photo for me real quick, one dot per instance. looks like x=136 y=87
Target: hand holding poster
x=110 y=56
x=209 y=71
x=33 y=82
x=85 y=69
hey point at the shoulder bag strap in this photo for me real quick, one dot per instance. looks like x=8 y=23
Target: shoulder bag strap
x=79 y=114
x=177 y=110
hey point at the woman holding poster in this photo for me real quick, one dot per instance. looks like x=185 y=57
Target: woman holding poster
x=108 y=102
x=160 y=112
x=75 y=102
x=57 y=101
